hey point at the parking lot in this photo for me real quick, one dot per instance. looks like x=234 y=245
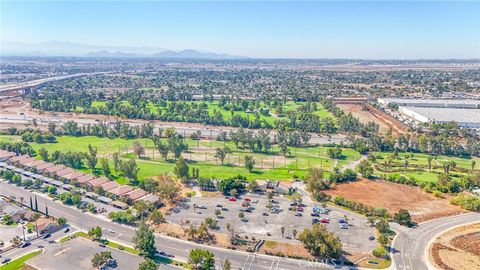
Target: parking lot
x=77 y=254
x=262 y=224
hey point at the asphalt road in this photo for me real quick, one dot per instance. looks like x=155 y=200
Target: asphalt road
x=123 y=234
x=411 y=245
x=33 y=83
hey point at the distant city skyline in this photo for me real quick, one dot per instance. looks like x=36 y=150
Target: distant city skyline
x=363 y=30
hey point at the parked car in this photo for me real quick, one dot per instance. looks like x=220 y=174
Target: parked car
x=66 y=230
x=315 y=221
x=371 y=238
x=298 y=214
x=201 y=207
x=26 y=244
x=244 y=220
x=46 y=236
x=341 y=220
x=5 y=260
x=232 y=199
x=224 y=209
x=219 y=205
x=265 y=214
x=343 y=226
x=324 y=220
x=315 y=214
x=300 y=209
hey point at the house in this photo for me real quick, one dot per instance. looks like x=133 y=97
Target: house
x=36 y=163
x=5 y=155
x=44 y=166
x=46 y=225
x=26 y=162
x=52 y=170
x=109 y=185
x=150 y=198
x=65 y=171
x=135 y=194
x=120 y=191
x=16 y=213
x=83 y=180
x=97 y=182
x=16 y=159
x=73 y=176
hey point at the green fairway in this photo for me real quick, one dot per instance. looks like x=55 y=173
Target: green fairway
x=418 y=166
x=201 y=155
x=214 y=106
x=20 y=262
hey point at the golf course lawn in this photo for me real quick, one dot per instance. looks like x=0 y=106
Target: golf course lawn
x=271 y=165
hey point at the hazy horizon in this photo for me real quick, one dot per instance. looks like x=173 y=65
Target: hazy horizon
x=312 y=30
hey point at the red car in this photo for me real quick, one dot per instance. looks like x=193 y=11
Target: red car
x=299 y=209
x=248 y=199
x=232 y=199
x=324 y=220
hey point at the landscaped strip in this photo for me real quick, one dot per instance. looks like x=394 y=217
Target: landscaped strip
x=20 y=262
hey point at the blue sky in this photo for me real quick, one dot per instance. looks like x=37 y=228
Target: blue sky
x=258 y=29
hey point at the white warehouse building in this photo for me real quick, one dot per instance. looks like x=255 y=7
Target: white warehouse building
x=467 y=118
x=432 y=103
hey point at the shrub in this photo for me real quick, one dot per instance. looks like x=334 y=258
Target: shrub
x=379 y=252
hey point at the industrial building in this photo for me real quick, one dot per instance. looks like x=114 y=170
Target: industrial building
x=467 y=118
x=432 y=103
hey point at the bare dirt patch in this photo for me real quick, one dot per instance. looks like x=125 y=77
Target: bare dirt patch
x=457 y=249
x=393 y=197
x=363 y=116
x=286 y=249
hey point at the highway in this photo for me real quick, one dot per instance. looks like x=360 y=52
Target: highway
x=33 y=83
x=181 y=248
x=411 y=245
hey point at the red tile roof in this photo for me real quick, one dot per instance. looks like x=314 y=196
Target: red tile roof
x=55 y=168
x=98 y=181
x=73 y=175
x=45 y=166
x=86 y=178
x=6 y=154
x=136 y=194
x=110 y=185
x=36 y=163
x=121 y=190
x=18 y=158
x=65 y=171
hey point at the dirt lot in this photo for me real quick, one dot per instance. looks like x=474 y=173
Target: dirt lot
x=363 y=116
x=421 y=205
x=457 y=249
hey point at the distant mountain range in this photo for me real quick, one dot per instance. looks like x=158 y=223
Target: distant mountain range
x=62 y=48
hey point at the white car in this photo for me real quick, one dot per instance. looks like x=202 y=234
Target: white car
x=111 y=231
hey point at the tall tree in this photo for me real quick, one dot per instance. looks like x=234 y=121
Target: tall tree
x=200 y=259
x=91 y=157
x=181 y=169
x=249 y=163
x=144 y=241
x=105 y=166
x=148 y=264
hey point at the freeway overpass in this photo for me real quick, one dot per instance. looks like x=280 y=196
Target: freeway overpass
x=16 y=89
